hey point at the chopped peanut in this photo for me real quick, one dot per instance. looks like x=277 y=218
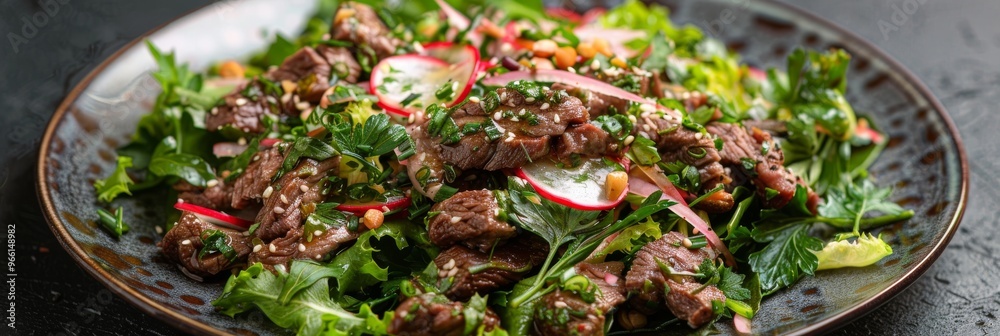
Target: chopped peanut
x=542 y=63
x=231 y=70
x=586 y=49
x=342 y=14
x=615 y=184
x=489 y=28
x=602 y=46
x=544 y=48
x=565 y=57
x=373 y=219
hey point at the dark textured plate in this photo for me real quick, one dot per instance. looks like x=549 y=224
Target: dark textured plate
x=924 y=161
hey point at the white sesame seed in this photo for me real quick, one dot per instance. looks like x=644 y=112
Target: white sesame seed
x=212 y=183
x=302 y=248
x=285 y=98
x=279 y=210
x=514 y=119
x=267 y=192
x=452 y=272
x=256 y=157
x=698 y=135
x=560 y=304
x=159 y=230
x=412 y=118
x=631 y=118
x=686 y=242
x=508 y=139
x=317 y=233
x=295 y=99
x=302 y=106
x=271 y=247
x=422 y=156
x=242 y=141
x=556 y=118
x=186 y=242
x=304 y=188
x=180 y=200
x=450 y=264
x=628 y=140
x=686 y=95
x=695 y=231
x=646 y=127
x=442 y=274
x=571 y=70
x=215 y=110
x=474 y=99
x=318 y=257
x=545 y=106
x=455 y=219
x=497 y=115
x=283 y=199
x=503 y=96
x=271 y=100
x=595 y=65
x=522 y=112
x=241 y=101
x=530 y=99
x=257 y=248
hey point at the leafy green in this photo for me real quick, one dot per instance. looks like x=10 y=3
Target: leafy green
x=814 y=90
x=303 y=275
x=359 y=266
x=112 y=222
x=786 y=258
x=189 y=167
x=863 y=251
x=854 y=200
x=643 y=151
x=116 y=184
x=653 y=19
x=308 y=311
x=630 y=238
x=239 y=163
x=215 y=241
x=308 y=147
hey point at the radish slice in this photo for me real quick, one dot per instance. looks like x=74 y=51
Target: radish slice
x=616 y=37
x=564 y=14
x=214 y=216
x=269 y=142
x=395 y=78
x=227 y=149
x=641 y=187
x=741 y=324
x=581 y=187
x=359 y=209
x=757 y=74
x=455 y=18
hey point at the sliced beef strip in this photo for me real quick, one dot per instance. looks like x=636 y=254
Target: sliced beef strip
x=183 y=243
x=218 y=196
x=311 y=70
x=611 y=293
x=527 y=126
x=359 y=24
x=294 y=246
x=690 y=301
x=565 y=313
x=426 y=168
x=645 y=280
x=509 y=264
x=434 y=315
x=586 y=140
x=769 y=171
x=283 y=209
x=469 y=218
x=241 y=111
x=256 y=177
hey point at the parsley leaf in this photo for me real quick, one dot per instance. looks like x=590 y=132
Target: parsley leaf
x=854 y=200
x=786 y=258
x=358 y=266
x=116 y=184
x=629 y=239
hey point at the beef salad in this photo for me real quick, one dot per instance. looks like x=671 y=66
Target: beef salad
x=495 y=167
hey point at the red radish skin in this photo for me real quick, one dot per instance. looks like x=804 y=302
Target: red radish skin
x=552 y=192
x=438 y=59
x=214 y=216
x=360 y=209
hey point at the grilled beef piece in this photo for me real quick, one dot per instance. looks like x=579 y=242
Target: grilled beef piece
x=242 y=109
x=645 y=280
x=302 y=186
x=610 y=294
x=565 y=313
x=183 y=243
x=477 y=272
x=256 y=177
x=426 y=168
x=597 y=104
x=359 y=24
x=469 y=218
x=527 y=124
x=434 y=315
x=294 y=246
x=690 y=301
x=586 y=140
x=743 y=146
x=218 y=196
x=311 y=70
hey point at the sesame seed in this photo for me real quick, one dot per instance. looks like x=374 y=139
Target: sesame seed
x=242 y=141
x=318 y=257
x=595 y=65
x=560 y=304
x=686 y=242
x=302 y=248
x=256 y=157
x=241 y=101
x=279 y=210
x=245 y=129
x=180 y=200
x=698 y=135
x=317 y=233
x=530 y=99
x=271 y=247
x=450 y=264
x=159 y=230
x=304 y=188
x=628 y=140
x=215 y=110
x=455 y=219
x=514 y=119
x=556 y=118
x=646 y=127
x=508 y=139
x=442 y=274
x=522 y=112
x=571 y=70
x=267 y=192
x=295 y=98
x=545 y=106
x=412 y=118
x=257 y=248
x=283 y=199
x=474 y=99
x=422 y=156
x=503 y=96
x=186 y=242
x=631 y=118
x=497 y=115
x=212 y=183
x=452 y=272
x=302 y=106
x=285 y=98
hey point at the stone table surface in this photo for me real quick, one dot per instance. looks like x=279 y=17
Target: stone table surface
x=953 y=46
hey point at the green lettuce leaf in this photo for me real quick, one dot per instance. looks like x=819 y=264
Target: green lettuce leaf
x=786 y=258
x=360 y=266
x=116 y=184
x=854 y=200
x=863 y=251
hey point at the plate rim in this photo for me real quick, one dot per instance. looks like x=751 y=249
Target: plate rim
x=189 y=324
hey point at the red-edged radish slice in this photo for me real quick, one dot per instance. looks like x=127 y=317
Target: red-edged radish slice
x=571 y=79
x=616 y=37
x=455 y=18
x=214 y=216
x=741 y=324
x=641 y=187
x=581 y=187
x=269 y=142
x=359 y=209
x=227 y=149
x=592 y=15
x=565 y=14
x=757 y=74
x=396 y=78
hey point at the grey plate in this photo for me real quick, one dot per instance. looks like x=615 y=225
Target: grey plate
x=925 y=160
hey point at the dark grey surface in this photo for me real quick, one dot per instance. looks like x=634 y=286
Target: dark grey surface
x=953 y=46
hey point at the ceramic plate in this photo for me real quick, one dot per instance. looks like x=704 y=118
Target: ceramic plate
x=924 y=161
